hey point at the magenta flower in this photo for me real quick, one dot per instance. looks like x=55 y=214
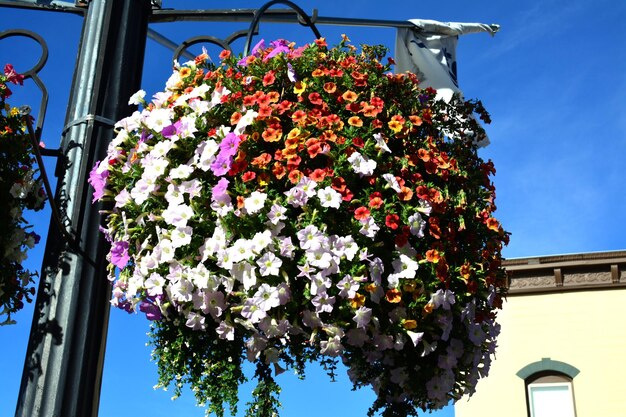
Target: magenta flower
x=229 y=145
x=98 y=181
x=221 y=165
x=280 y=46
x=255 y=52
x=12 y=75
x=119 y=254
x=220 y=189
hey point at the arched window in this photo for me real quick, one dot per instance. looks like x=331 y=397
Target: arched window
x=549 y=388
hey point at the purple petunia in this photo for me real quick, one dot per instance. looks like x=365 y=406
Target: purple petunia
x=152 y=311
x=119 y=254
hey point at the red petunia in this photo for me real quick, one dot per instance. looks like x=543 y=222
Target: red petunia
x=269 y=78
x=361 y=213
x=392 y=221
x=248 y=176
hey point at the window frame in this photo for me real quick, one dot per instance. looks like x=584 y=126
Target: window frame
x=552 y=380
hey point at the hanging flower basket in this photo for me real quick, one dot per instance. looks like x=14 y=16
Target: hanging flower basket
x=20 y=190
x=304 y=204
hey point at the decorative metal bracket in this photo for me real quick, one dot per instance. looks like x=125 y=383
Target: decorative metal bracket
x=34 y=73
x=35 y=132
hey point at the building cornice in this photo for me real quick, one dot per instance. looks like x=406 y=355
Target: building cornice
x=561 y=273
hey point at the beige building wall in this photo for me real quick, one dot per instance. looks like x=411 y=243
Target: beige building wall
x=584 y=328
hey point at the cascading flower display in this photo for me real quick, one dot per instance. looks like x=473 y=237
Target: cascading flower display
x=305 y=204
x=20 y=190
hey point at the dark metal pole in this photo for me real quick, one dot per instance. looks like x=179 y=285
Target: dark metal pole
x=63 y=367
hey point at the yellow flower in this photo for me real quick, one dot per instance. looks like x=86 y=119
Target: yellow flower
x=293 y=133
x=395 y=125
x=299 y=87
x=357 y=301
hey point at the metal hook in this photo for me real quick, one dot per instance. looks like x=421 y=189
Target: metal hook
x=259 y=13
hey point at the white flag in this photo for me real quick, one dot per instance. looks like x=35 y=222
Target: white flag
x=429 y=50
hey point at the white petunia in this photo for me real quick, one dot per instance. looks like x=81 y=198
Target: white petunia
x=369 y=228
x=157 y=119
x=137 y=98
x=361 y=164
x=329 y=197
x=205 y=154
x=255 y=202
x=269 y=264
x=405 y=267
x=177 y=215
x=392 y=182
x=181 y=172
x=416 y=225
x=246 y=120
x=381 y=143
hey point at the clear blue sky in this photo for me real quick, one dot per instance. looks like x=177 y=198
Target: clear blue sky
x=553 y=80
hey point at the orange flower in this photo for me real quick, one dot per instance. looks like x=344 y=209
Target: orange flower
x=432 y=255
x=248 y=176
x=273 y=96
x=184 y=72
x=465 y=271
x=235 y=117
x=349 y=96
x=393 y=296
x=316 y=98
x=293 y=133
x=355 y=121
x=272 y=135
x=317 y=73
x=265 y=112
x=295 y=176
x=409 y=324
x=313 y=148
x=225 y=54
x=405 y=194
x=371 y=287
x=415 y=120
x=262 y=160
x=428 y=308
x=321 y=42
x=278 y=170
x=299 y=117
x=493 y=224
x=376 y=200
x=330 y=87
x=329 y=135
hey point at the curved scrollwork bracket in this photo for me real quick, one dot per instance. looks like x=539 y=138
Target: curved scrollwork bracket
x=303 y=18
x=35 y=132
x=33 y=73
